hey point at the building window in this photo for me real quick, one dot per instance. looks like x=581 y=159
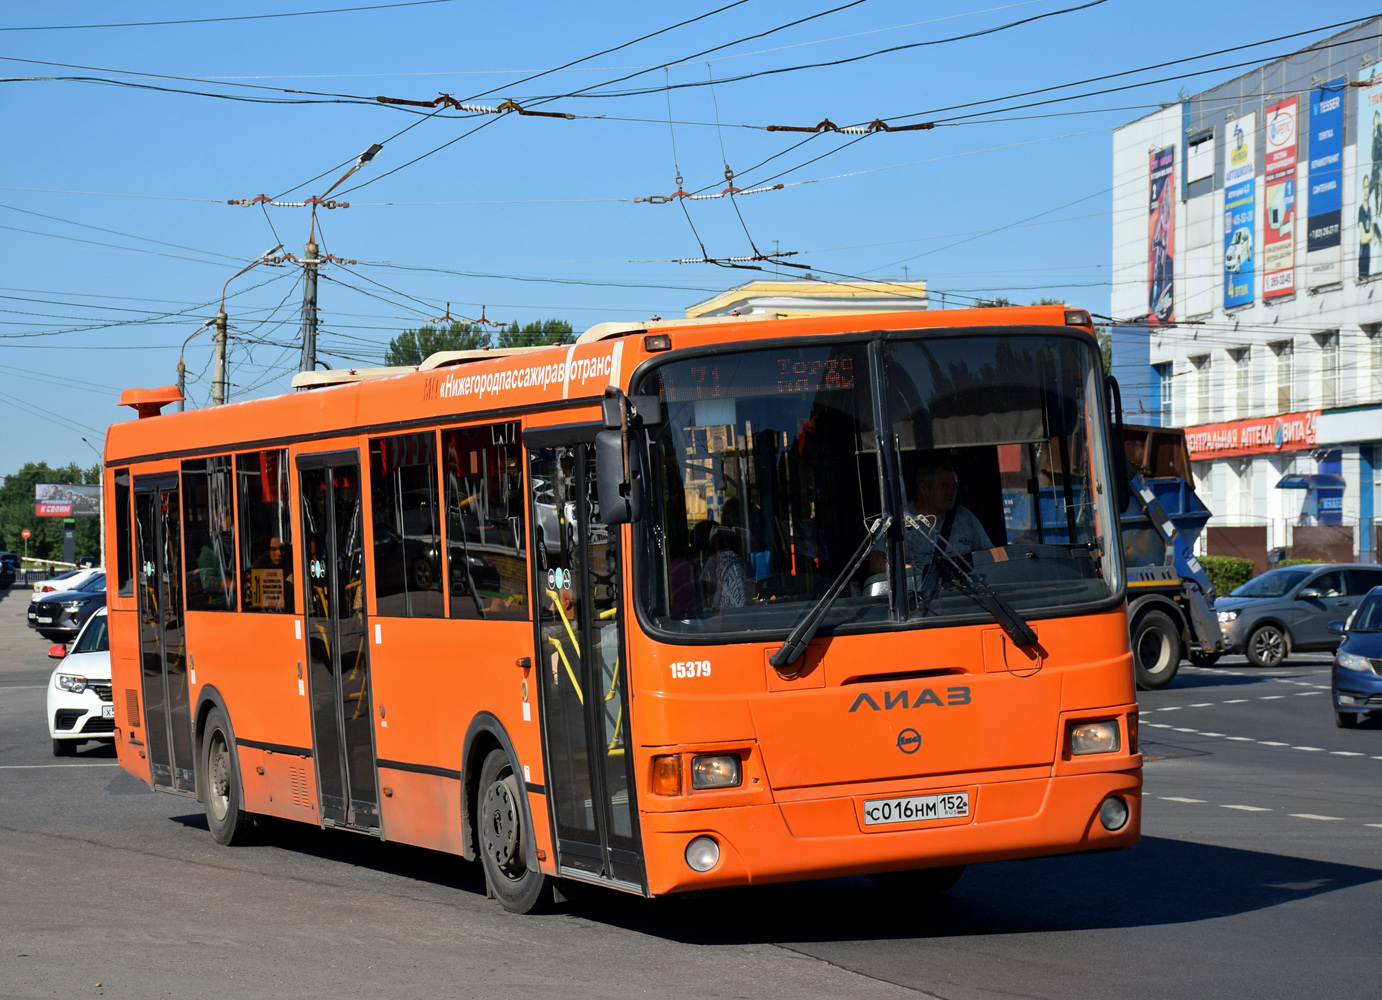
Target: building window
x=1163 y=373
x=266 y=531
x=1242 y=367
x=1373 y=331
x=208 y=532
x=486 y=531
x=1285 y=352
x=407 y=526
x=1329 y=367
x=1204 y=390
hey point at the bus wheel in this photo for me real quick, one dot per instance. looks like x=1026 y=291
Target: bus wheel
x=225 y=799
x=1155 y=650
x=919 y=882
x=503 y=840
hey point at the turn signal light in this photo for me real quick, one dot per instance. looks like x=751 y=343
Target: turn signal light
x=1094 y=737
x=1076 y=317
x=1132 y=732
x=667 y=775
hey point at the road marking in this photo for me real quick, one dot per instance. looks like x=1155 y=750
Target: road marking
x=1171 y=708
x=1235 y=701
x=1182 y=729
x=1159 y=725
x=1203 y=704
x=1303 y=694
x=1273 y=743
x=1241 y=739
x=1323 y=819
x=1220 y=735
x=1271 y=697
x=1177 y=798
x=1249 y=809
x=1311 y=749
x=1375 y=826
x=1346 y=753
x=32 y=767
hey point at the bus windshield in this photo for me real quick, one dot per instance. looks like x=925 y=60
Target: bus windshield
x=767 y=476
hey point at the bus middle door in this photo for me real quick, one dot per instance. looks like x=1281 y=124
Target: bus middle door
x=337 y=640
x=580 y=660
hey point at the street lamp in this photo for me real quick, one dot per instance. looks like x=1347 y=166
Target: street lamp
x=182 y=366
x=100 y=470
x=218 y=378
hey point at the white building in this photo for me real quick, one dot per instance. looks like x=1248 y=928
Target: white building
x=1247 y=236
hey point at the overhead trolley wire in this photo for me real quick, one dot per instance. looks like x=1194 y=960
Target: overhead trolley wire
x=216 y=20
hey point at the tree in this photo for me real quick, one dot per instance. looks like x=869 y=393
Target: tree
x=1044 y=301
x=412 y=347
x=17 y=512
x=536 y=334
x=992 y=303
x=1105 y=346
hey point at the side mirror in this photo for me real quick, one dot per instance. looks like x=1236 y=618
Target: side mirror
x=1338 y=628
x=57 y=651
x=1308 y=594
x=621 y=499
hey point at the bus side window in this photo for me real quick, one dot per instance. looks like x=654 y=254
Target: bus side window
x=124 y=559
x=266 y=531
x=407 y=525
x=208 y=531
x=486 y=530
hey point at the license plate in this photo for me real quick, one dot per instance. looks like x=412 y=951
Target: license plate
x=107 y=711
x=916 y=807
x=45 y=621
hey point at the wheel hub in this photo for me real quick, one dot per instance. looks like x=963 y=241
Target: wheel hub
x=501 y=824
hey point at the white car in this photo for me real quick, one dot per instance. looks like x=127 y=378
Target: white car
x=80 y=703
x=70 y=580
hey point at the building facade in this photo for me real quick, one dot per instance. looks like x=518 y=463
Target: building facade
x=1247 y=244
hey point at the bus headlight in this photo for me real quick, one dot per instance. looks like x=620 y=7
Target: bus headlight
x=1113 y=813
x=703 y=854
x=720 y=771
x=1094 y=737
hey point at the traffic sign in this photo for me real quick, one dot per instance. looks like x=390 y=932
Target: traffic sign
x=24 y=533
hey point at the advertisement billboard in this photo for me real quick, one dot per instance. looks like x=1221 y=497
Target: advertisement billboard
x=1161 y=238
x=1323 y=231
x=1254 y=436
x=66 y=500
x=1369 y=142
x=1279 y=193
x=1240 y=207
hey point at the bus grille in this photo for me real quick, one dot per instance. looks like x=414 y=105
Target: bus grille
x=132 y=707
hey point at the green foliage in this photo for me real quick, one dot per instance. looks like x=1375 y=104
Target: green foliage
x=1301 y=562
x=1227 y=572
x=17 y=512
x=411 y=347
x=993 y=303
x=536 y=334
x=1044 y=301
x=1105 y=346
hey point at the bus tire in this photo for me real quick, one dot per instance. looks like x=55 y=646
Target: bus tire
x=223 y=795
x=503 y=840
x=1155 y=650
x=918 y=882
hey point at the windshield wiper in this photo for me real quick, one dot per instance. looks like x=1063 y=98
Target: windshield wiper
x=973 y=585
x=800 y=637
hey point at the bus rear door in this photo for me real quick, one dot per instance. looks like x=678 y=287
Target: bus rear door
x=581 y=662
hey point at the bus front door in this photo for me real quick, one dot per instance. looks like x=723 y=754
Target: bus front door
x=162 y=639
x=337 y=640
x=580 y=660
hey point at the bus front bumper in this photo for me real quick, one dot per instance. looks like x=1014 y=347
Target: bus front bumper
x=827 y=837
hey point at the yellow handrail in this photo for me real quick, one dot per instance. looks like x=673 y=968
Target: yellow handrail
x=556 y=603
x=569 y=672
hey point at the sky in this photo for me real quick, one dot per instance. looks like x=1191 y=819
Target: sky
x=116 y=238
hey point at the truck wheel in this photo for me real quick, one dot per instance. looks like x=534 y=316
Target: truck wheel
x=1155 y=650
x=1268 y=647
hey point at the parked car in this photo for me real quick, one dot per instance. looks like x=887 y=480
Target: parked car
x=66 y=581
x=6 y=576
x=10 y=559
x=80 y=703
x=1356 y=680
x=1288 y=609
x=88 y=562
x=62 y=615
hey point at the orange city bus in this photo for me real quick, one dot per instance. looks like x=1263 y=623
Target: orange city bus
x=683 y=605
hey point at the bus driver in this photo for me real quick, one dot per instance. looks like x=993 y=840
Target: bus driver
x=937 y=489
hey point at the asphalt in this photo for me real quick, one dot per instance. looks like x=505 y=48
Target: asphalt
x=1259 y=875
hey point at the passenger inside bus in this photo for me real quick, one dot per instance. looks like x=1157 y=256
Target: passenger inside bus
x=274 y=570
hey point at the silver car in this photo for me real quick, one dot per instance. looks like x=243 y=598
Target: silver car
x=1288 y=609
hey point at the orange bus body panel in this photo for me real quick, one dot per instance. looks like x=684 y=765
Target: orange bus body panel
x=989 y=720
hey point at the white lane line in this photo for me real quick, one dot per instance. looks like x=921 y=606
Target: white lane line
x=1220 y=735
x=1375 y=826
x=1178 y=798
x=1323 y=819
x=1171 y=708
x=1248 y=809
x=1241 y=739
x=1306 y=694
x=1310 y=749
x=1271 y=697
x=1273 y=743
x=1203 y=704
x=1158 y=725
x=1346 y=753
x=34 y=767
x=1182 y=729
x=1235 y=701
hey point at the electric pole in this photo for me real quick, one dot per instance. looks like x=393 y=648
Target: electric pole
x=218 y=378
x=309 y=306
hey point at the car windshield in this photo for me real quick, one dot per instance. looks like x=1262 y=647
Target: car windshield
x=1273 y=583
x=63 y=576
x=94 y=638
x=97 y=582
x=1368 y=617
x=767 y=475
